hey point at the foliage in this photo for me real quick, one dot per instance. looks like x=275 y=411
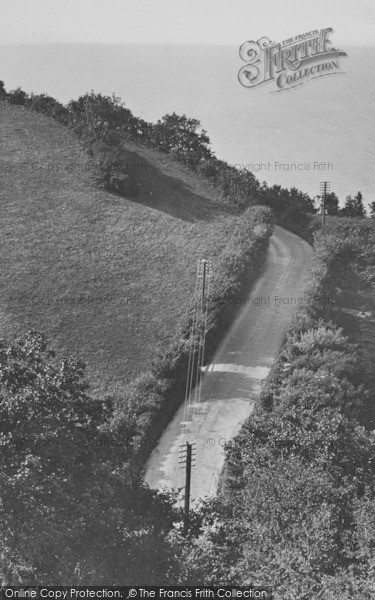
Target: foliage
x=69 y=515
x=297 y=501
x=17 y=96
x=97 y=119
x=3 y=93
x=354 y=207
x=332 y=204
x=295 y=508
x=96 y=116
x=111 y=170
x=182 y=135
x=292 y=208
x=50 y=107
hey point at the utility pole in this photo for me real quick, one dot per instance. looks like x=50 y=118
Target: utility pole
x=324 y=190
x=187 y=456
x=187 y=486
x=204 y=265
x=194 y=376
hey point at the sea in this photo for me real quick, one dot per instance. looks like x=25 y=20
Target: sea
x=322 y=130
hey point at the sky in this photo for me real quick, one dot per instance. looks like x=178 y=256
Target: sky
x=183 y=21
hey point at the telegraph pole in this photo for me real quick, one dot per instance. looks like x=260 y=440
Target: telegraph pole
x=324 y=189
x=186 y=458
x=204 y=262
x=187 y=487
x=194 y=377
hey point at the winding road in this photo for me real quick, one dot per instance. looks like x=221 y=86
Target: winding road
x=233 y=381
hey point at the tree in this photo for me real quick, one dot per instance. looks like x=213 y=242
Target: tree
x=354 y=207
x=17 y=96
x=68 y=513
x=292 y=207
x=182 y=135
x=302 y=200
x=97 y=116
x=372 y=209
x=3 y=93
x=332 y=204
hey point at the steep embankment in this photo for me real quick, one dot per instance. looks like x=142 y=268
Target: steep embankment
x=103 y=276
x=233 y=381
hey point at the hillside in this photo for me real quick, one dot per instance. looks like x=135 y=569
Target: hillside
x=104 y=277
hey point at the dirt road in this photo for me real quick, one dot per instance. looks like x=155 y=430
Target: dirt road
x=234 y=379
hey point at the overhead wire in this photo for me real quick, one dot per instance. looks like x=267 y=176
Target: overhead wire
x=192 y=341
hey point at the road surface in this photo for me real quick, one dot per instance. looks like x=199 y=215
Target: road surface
x=234 y=379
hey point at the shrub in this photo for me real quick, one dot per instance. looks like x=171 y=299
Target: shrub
x=3 y=94
x=17 y=96
x=294 y=509
x=50 y=107
x=110 y=170
x=123 y=184
x=68 y=513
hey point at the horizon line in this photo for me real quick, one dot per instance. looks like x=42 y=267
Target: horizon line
x=41 y=43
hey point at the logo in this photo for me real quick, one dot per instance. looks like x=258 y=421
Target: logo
x=289 y=63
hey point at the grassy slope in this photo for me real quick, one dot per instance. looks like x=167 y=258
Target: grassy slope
x=131 y=263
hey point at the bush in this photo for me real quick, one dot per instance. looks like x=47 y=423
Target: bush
x=294 y=508
x=3 y=94
x=17 y=96
x=50 y=107
x=70 y=514
x=110 y=170
x=123 y=184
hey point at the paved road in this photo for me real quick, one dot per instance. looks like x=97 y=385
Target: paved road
x=234 y=379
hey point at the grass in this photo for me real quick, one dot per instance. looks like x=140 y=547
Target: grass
x=105 y=277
